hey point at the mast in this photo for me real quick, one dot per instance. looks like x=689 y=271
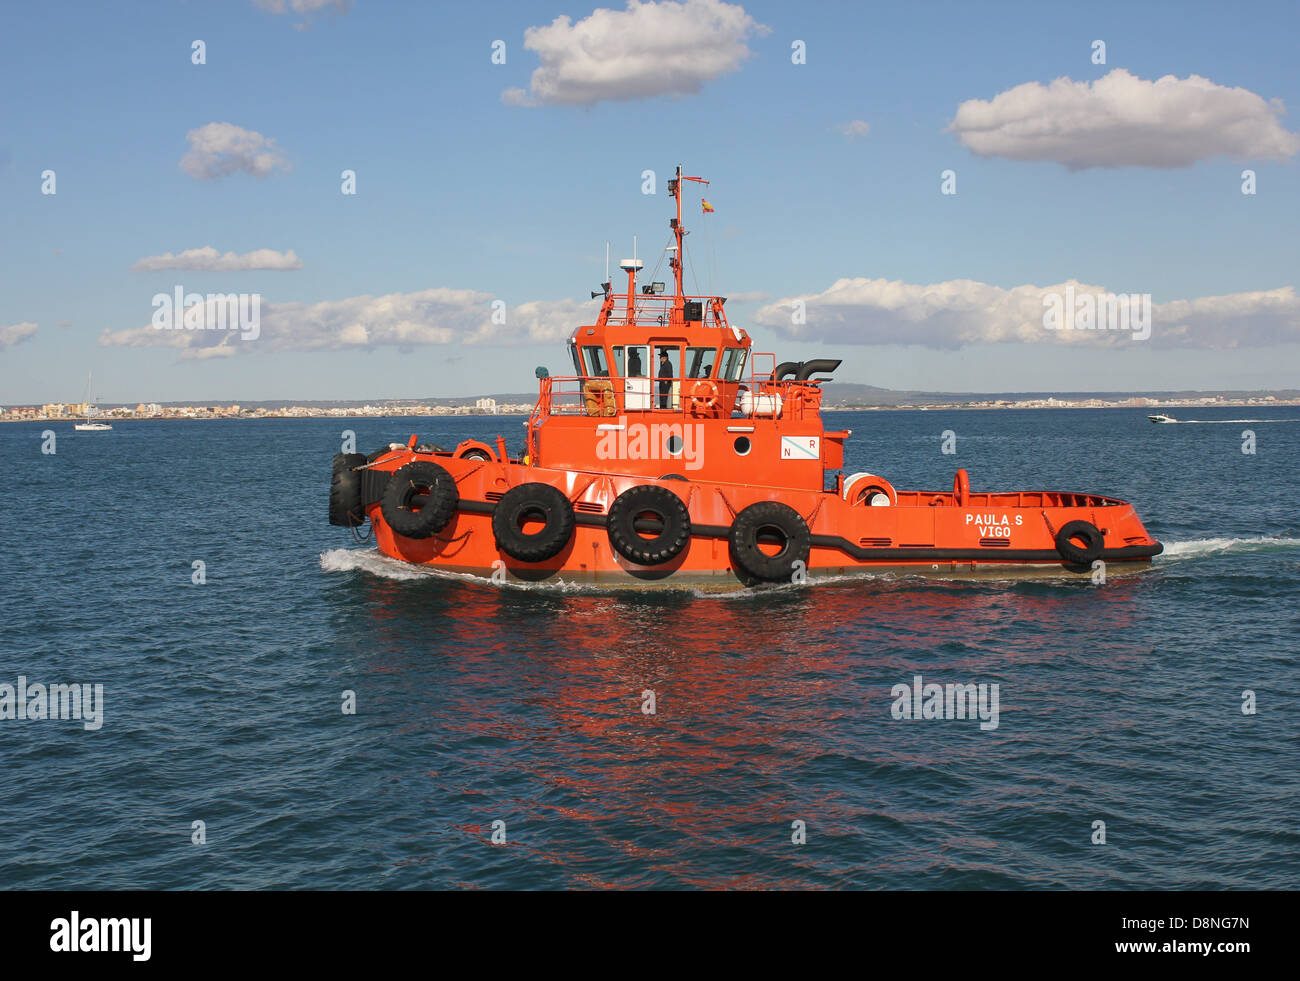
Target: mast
x=675 y=189
x=676 y=261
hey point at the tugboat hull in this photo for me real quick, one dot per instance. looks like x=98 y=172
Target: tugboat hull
x=801 y=534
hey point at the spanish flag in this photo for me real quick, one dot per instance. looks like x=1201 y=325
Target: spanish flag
x=708 y=208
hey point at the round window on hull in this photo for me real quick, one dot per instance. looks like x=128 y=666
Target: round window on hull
x=742 y=445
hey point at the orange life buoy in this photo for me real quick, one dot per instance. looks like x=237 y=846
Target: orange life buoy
x=704 y=397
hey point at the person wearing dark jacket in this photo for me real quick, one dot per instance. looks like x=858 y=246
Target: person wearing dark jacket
x=665 y=379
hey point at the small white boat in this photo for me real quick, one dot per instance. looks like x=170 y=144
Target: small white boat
x=88 y=426
x=1161 y=417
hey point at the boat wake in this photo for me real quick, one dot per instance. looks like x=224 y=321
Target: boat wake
x=1226 y=422
x=1201 y=547
x=373 y=562
x=376 y=563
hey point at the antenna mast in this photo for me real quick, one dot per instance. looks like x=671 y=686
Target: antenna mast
x=675 y=189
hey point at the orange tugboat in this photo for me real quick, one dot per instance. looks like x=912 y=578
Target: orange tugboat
x=677 y=454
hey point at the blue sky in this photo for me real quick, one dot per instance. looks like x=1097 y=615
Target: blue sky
x=458 y=190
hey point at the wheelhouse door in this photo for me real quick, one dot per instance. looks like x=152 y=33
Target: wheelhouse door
x=637 y=378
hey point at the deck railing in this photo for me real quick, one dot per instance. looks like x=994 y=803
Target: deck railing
x=584 y=395
x=656 y=308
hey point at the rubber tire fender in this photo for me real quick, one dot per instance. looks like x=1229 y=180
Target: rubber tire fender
x=346 y=509
x=1073 y=553
x=751 y=563
x=417 y=479
x=535 y=499
x=666 y=506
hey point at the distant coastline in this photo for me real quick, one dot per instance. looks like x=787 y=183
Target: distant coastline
x=837 y=400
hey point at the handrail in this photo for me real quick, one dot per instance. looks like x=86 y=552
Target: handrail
x=655 y=307
x=588 y=395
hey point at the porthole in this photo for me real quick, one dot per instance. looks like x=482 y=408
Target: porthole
x=674 y=445
x=742 y=445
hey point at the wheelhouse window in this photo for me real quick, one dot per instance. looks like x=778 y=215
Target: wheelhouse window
x=733 y=364
x=699 y=361
x=638 y=360
x=594 y=357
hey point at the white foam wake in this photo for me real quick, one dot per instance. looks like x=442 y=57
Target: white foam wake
x=374 y=562
x=1226 y=422
x=1217 y=546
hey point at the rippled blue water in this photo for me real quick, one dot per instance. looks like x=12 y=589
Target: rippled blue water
x=1119 y=703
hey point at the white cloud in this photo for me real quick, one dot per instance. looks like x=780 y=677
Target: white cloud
x=222 y=149
x=1235 y=320
x=1124 y=121
x=16 y=334
x=403 y=320
x=210 y=260
x=960 y=312
x=855 y=129
x=649 y=49
x=538 y=322
x=301 y=6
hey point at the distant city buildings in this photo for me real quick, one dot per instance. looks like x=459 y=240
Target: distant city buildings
x=152 y=410
x=488 y=406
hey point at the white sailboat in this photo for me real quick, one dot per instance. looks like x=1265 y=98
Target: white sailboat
x=88 y=426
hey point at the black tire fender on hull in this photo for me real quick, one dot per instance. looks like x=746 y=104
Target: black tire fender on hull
x=533 y=502
x=430 y=489
x=671 y=514
x=346 y=507
x=1071 y=551
x=763 y=523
